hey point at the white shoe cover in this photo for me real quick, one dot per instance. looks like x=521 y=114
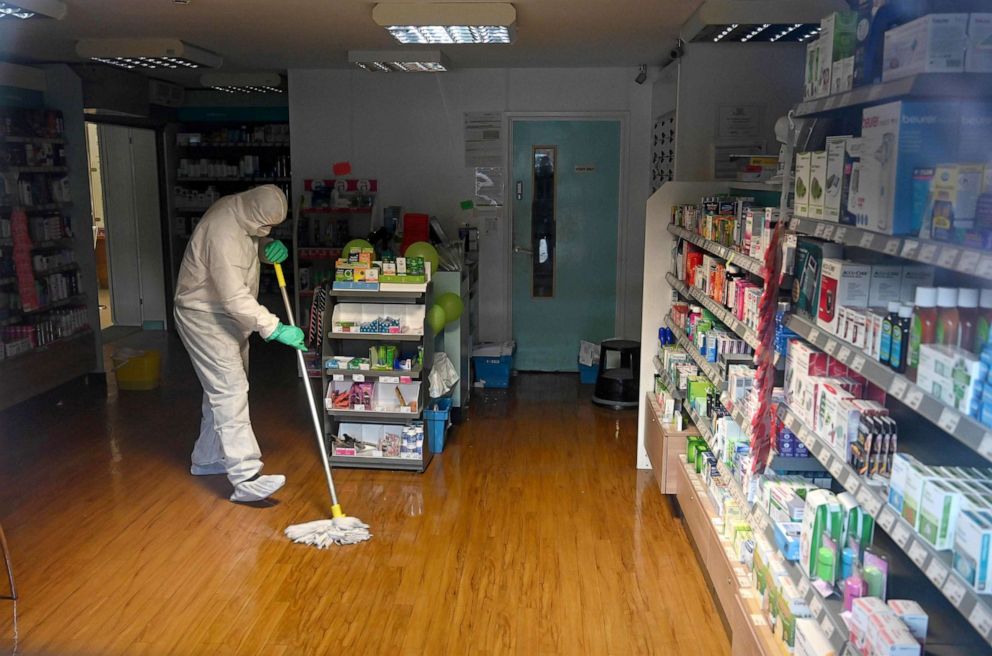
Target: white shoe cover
x=208 y=470
x=258 y=489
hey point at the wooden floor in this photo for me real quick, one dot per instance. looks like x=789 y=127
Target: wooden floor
x=531 y=534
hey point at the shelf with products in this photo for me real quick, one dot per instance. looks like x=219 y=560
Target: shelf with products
x=719 y=311
x=336 y=210
x=79 y=299
x=749 y=264
x=30 y=140
x=934 y=86
x=52 y=345
x=208 y=146
x=384 y=406
x=18 y=170
x=957 y=425
x=242 y=179
x=935 y=564
x=58 y=269
x=709 y=369
x=35 y=209
x=971 y=261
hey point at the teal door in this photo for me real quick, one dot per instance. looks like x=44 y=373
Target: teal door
x=566 y=199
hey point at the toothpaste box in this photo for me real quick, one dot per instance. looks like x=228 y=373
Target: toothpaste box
x=842 y=283
x=899 y=138
x=913 y=616
x=939 y=509
x=972 y=540
x=978 y=57
x=935 y=43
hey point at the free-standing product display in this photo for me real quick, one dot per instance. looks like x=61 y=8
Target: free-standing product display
x=375 y=356
x=45 y=336
x=877 y=549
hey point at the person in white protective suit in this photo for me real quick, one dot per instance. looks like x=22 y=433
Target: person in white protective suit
x=216 y=311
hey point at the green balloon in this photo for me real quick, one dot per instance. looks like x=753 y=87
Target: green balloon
x=436 y=318
x=452 y=305
x=424 y=250
x=354 y=245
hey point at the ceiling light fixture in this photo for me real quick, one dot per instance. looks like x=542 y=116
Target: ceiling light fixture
x=448 y=22
x=709 y=22
x=402 y=61
x=243 y=82
x=25 y=9
x=150 y=54
x=727 y=30
x=755 y=32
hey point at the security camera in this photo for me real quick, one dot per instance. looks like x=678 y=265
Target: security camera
x=678 y=50
x=642 y=74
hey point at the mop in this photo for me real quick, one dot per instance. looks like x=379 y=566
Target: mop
x=340 y=529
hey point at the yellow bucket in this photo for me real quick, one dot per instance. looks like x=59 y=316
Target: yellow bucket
x=138 y=372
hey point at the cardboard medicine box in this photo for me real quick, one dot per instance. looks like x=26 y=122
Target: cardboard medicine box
x=842 y=283
x=935 y=43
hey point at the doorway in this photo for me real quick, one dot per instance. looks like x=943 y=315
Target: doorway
x=565 y=217
x=127 y=233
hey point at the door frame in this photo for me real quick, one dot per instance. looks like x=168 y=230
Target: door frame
x=623 y=218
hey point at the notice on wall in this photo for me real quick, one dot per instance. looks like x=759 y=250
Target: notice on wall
x=483 y=139
x=489 y=186
x=726 y=156
x=739 y=121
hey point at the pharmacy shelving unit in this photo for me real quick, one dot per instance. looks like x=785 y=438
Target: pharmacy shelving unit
x=356 y=344
x=943 y=429
x=25 y=373
x=220 y=141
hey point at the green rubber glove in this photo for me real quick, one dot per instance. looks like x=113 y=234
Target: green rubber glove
x=276 y=252
x=288 y=335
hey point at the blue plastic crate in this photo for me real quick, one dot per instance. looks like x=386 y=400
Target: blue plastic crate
x=588 y=373
x=493 y=372
x=437 y=416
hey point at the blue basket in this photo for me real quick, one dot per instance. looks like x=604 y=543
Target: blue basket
x=493 y=372
x=436 y=417
x=588 y=373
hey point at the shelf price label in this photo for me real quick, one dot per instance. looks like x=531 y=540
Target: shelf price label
x=918 y=553
x=830 y=347
x=947 y=258
x=795 y=224
x=828 y=231
x=928 y=253
x=816 y=606
x=818 y=231
x=949 y=420
x=937 y=572
x=892 y=246
x=835 y=467
x=954 y=590
x=803 y=587
x=828 y=627
x=913 y=398
x=968 y=261
x=902 y=534
x=839 y=234
x=338 y=377
x=981 y=619
x=866 y=240
x=985 y=267
x=898 y=387
x=814 y=334
x=886 y=520
x=358 y=378
x=858 y=364
x=985 y=446
x=909 y=248
x=844 y=354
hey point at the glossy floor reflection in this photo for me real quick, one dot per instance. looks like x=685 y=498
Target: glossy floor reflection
x=531 y=534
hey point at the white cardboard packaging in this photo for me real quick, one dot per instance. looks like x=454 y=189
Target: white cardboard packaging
x=978 y=58
x=810 y=640
x=803 y=163
x=939 y=510
x=817 y=183
x=913 y=616
x=971 y=549
x=888 y=636
x=811 y=85
x=842 y=283
x=835 y=182
x=913 y=276
x=842 y=75
x=862 y=610
x=935 y=43
x=886 y=284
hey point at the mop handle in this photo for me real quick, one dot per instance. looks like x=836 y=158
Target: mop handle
x=318 y=431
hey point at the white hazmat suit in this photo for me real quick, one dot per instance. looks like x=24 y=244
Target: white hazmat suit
x=216 y=311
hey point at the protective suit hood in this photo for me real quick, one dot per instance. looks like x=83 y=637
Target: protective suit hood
x=260 y=208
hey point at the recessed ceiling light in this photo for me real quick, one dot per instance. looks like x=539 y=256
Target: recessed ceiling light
x=403 y=61
x=148 y=54
x=448 y=22
x=243 y=82
x=25 y=9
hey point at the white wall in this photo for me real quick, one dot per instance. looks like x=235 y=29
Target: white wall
x=407 y=132
x=711 y=75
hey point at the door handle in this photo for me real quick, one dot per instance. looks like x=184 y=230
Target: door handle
x=522 y=250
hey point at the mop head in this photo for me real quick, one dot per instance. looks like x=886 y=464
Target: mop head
x=325 y=532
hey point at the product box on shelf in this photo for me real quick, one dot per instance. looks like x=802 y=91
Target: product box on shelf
x=888 y=636
x=913 y=616
x=978 y=57
x=822 y=518
x=802 y=190
x=972 y=540
x=811 y=85
x=898 y=138
x=951 y=374
x=955 y=189
x=810 y=640
x=842 y=283
x=810 y=254
x=939 y=510
x=934 y=43
x=837 y=178
x=913 y=276
x=817 y=183
x=836 y=419
x=917 y=478
x=842 y=75
x=886 y=284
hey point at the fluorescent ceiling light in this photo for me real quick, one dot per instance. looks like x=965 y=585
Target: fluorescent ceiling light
x=147 y=54
x=448 y=22
x=33 y=9
x=403 y=61
x=243 y=82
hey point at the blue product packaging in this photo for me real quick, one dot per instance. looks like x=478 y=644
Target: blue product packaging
x=975 y=134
